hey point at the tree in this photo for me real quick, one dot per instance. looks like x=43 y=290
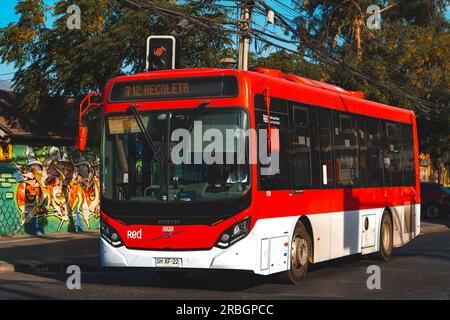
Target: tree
x=291 y=63
x=409 y=52
x=57 y=61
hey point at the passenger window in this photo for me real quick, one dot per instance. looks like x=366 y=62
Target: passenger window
x=346 y=149
x=325 y=141
x=346 y=124
x=281 y=180
x=300 y=115
x=370 y=152
x=301 y=146
x=391 y=155
x=409 y=178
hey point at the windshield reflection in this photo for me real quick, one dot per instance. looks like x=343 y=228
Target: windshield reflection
x=134 y=170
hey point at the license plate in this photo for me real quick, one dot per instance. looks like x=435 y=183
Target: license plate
x=168 y=262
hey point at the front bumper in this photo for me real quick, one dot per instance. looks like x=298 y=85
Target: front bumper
x=263 y=251
x=240 y=256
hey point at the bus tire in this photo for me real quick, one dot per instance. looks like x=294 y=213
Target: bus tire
x=301 y=253
x=386 y=243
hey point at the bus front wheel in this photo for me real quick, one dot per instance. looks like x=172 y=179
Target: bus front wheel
x=301 y=252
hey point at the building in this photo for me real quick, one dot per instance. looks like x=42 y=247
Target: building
x=437 y=171
x=46 y=185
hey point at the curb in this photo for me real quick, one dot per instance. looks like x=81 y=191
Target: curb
x=6 y=267
x=433 y=229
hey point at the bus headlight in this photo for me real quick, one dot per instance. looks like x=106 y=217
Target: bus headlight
x=110 y=235
x=233 y=234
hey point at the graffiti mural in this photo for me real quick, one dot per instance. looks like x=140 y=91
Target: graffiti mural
x=49 y=189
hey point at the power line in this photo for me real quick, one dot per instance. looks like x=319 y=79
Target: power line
x=425 y=106
x=316 y=49
x=333 y=61
x=288 y=13
x=221 y=6
x=201 y=21
x=260 y=38
x=293 y=12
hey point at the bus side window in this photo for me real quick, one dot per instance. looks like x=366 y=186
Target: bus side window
x=407 y=156
x=346 y=149
x=301 y=145
x=326 y=148
x=281 y=180
x=391 y=155
x=370 y=152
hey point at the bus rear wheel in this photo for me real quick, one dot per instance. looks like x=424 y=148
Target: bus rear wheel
x=386 y=238
x=301 y=252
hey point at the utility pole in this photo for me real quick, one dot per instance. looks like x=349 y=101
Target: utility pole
x=246 y=12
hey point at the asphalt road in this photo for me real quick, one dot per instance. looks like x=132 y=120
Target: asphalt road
x=419 y=270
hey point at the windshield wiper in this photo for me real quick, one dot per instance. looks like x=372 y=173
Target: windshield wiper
x=147 y=136
x=197 y=112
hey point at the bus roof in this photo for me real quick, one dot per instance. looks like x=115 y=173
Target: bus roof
x=290 y=87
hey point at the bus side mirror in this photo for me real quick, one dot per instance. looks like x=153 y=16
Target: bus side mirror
x=85 y=105
x=82 y=138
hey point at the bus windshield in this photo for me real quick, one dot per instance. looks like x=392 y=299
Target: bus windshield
x=135 y=168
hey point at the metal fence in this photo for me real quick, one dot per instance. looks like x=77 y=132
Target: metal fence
x=10 y=218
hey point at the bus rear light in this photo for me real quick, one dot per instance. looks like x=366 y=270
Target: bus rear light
x=233 y=234
x=110 y=235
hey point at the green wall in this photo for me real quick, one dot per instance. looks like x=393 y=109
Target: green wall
x=48 y=189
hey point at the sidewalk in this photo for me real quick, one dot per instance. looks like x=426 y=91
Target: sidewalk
x=52 y=252
x=55 y=252
x=433 y=226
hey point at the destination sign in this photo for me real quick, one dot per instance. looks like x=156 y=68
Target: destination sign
x=180 y=88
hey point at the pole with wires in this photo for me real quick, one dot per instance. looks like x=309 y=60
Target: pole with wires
x=246 y=12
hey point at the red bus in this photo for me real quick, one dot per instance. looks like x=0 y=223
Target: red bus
x=347 y=181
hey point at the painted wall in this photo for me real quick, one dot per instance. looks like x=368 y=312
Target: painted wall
x=435 y=170
x=47 y=189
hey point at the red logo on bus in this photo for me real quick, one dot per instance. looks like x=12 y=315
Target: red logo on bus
x=168 y=230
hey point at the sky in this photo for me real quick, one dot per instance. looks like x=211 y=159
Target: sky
x=7 y=15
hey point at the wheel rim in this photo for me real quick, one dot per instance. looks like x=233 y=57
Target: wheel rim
x=432 y=212
x=386 y=236
x=300 y=252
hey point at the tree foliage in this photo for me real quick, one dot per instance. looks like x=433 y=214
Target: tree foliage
x=56 y=61
x=409 y=52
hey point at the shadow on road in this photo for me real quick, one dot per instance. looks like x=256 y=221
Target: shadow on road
x=24 y=292
x=51 y=250
x=212 y=280
x=239 y=281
